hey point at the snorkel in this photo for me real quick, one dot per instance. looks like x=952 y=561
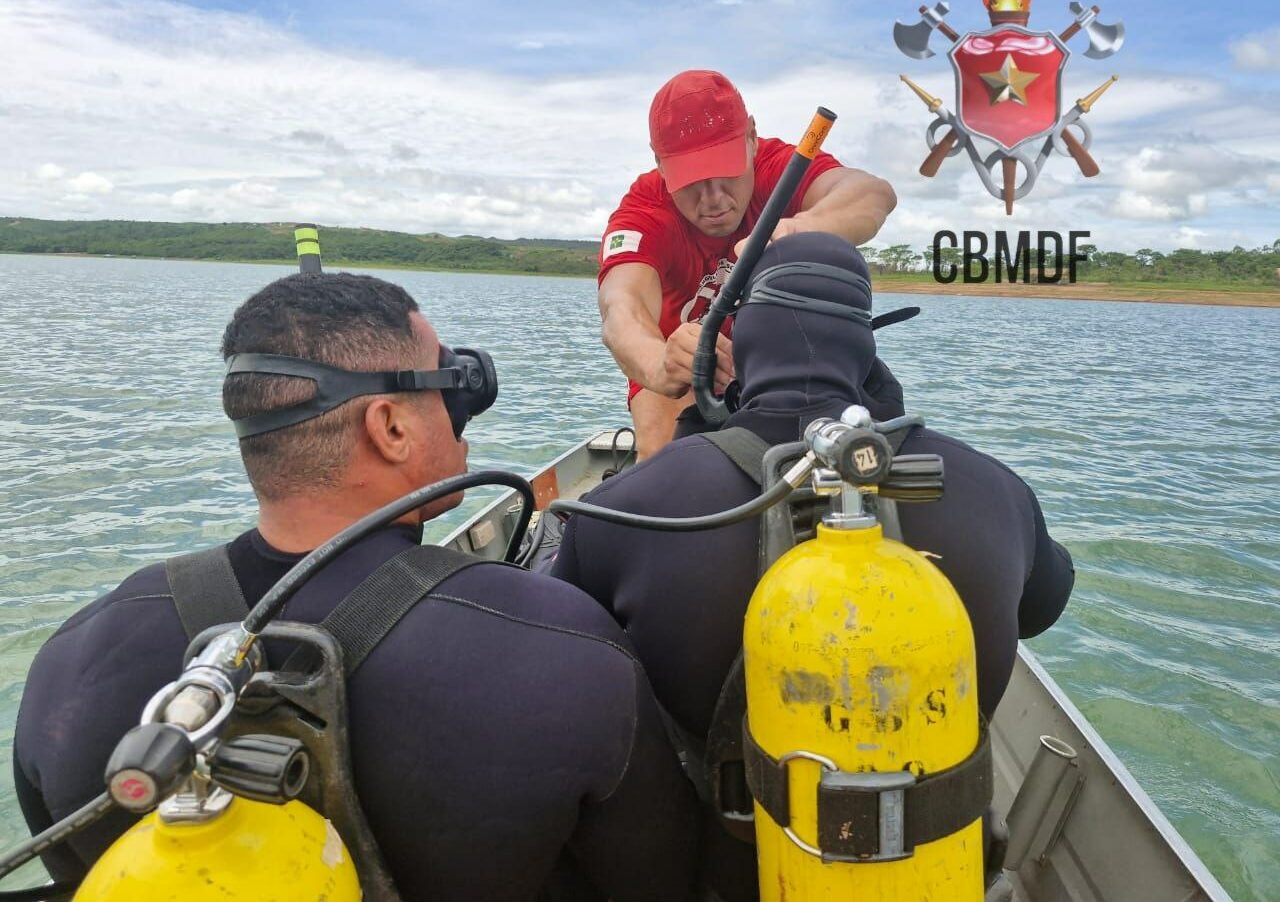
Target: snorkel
x=713 y=409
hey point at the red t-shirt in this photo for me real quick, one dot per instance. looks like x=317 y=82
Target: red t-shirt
x=647 y=228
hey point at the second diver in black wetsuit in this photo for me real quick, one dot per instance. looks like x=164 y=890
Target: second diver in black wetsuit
x=681 y=596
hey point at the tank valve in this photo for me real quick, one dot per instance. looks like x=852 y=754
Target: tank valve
x=265 y=768
x=149 y=763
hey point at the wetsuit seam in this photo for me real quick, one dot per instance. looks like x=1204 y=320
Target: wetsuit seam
x=636 y=667
x=808 y=371
x=635 y=726
x=466 y=602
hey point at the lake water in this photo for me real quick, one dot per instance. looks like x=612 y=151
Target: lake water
x=1149 y=432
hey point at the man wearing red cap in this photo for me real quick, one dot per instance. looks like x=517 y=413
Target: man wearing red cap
x=672 y=241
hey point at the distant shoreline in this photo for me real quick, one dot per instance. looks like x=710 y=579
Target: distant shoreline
x=1154 y=293
x=329 y=264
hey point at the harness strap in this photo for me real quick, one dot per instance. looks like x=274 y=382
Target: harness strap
x=205 y=590
x=362 y=619
x=852 y=814
x=206 y=593
x=743 y=447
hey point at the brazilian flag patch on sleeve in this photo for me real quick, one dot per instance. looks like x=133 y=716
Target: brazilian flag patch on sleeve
x=621 y=243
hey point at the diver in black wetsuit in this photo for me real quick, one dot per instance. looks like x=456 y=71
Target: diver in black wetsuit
x=682 y=596
x=503 y=735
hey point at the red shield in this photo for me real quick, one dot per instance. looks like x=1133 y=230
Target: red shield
x=1007 y=83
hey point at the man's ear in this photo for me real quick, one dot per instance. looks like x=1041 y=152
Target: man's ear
x=386 y=424
x=751 y=134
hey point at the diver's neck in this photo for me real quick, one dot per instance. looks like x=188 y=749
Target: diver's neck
x=296 y=525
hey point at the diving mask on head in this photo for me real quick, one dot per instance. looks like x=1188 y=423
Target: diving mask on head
x=466 y=380
x=763 y=291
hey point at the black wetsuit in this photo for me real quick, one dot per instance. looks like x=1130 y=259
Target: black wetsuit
x=502 y=729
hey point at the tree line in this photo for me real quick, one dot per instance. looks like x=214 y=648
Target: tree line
x=266 y=242
x=263 y=242
x=1260 y=265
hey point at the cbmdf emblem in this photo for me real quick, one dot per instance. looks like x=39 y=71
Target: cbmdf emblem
x=1008 y=112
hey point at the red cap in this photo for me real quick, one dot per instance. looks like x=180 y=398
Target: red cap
x=696 y=125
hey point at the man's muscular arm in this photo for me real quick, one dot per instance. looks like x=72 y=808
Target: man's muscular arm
x=848 y=202
x=630 y=302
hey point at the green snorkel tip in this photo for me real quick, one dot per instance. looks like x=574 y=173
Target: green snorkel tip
x=307 y=238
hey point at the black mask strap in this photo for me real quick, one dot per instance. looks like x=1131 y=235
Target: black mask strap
x=334 y=387
x=762 y=292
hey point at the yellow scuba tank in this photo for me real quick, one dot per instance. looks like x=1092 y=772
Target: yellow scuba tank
x=250 y=850
x=861 y=704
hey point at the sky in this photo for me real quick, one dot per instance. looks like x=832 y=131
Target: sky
x=530 y=119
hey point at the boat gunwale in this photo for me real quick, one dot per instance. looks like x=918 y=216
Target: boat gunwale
x=1125 y=780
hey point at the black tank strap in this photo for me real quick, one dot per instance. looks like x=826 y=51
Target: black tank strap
x=205 y=590
x=852 y=816
x=743 y=447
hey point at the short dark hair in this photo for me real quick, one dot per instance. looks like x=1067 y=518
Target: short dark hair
x=355 y=322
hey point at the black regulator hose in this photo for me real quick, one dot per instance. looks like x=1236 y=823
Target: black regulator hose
x=59 y=832
x=713 y=409
x=267 y=609
x=746 y=511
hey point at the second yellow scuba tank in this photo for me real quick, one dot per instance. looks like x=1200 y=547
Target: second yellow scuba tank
x=863 y=746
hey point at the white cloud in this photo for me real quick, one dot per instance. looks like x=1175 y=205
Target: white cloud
x=1260 y=50
x=1133 y=205
x=190 y=199
x=1188 y=237
x=256 y=194
x=1175 y=182
x=90 y=183
x=162 y=124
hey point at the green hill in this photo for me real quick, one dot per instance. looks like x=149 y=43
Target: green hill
x=273 y=242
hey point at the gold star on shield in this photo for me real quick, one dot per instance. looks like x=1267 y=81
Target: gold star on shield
x=1009 y=82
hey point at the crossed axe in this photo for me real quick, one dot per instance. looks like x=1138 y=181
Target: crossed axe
x=913 y=40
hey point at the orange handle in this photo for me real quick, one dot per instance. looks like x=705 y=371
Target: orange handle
x=816 y=133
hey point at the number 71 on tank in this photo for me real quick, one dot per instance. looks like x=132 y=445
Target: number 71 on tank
x=1008 y=93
